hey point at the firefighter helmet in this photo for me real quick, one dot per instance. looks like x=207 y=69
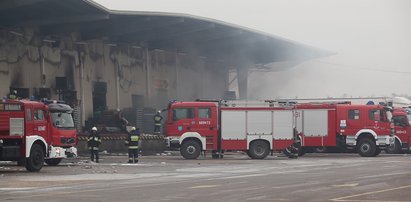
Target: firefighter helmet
x=133 y=128
x=94 y=129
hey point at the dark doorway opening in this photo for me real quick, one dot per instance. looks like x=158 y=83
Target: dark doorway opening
x=21 y=92
x=137 y=101
x=99 y=96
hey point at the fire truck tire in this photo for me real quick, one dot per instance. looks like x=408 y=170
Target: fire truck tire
x=248 y=154
x=190 y=149
x=321 y=150
x=259 y=149
x=377 y=151
x=36 y=160
x=394 y=149
x=302 y=151
x=53 y=162
x=366 y=147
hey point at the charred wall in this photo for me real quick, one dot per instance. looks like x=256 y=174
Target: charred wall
x=155 y=75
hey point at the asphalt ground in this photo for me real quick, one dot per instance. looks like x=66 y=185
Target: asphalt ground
x=313 y=177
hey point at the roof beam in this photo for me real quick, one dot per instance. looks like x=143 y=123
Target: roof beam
x=176 y=34
x=114 y=27
x=139 y=32
x=197 y=40
x=81 y=27
x=64 y=20
x=11 y=4
x=246 y=41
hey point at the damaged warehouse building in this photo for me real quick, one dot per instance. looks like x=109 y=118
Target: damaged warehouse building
x=99 y=60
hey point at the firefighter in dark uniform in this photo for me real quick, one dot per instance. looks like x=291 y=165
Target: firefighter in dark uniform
x=132 y=143
x=93 y=142
x=13 y=95
x=157 y=122
x=293 y=150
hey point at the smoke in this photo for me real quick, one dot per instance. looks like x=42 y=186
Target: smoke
x=371 y=39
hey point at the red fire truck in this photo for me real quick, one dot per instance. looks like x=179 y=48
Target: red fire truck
x=259 y=128
x=217 y=126
x=34 y=132
x=402 y=124
x=366 y=128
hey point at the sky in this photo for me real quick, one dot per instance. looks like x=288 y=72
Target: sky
x=371 y=39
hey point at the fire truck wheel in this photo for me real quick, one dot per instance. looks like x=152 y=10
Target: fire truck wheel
x=302 y=151
x=321 y=150
x=366 y=147
x=258 y=149
x=394 y=149
x=53 y=162
x=190 y=149
x=36 y=160
x=248 y=154
x=377 y=151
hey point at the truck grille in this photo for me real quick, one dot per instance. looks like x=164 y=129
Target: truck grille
x=69 y=140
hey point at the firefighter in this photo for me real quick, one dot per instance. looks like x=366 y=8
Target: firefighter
x=132 y=143
x=157 y=122
x=93 y=142
x=122 y=121
x=293 y=150
x=13 y=95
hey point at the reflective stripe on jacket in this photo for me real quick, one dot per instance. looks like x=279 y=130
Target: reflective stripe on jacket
x=94 y=140
x=157 y=120
x=132 y=140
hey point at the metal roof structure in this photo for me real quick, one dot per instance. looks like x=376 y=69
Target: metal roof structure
x=167 y=31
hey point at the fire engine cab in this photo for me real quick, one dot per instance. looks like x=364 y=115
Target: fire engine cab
x=33 y=132
x=402 y=124
x=366 y=128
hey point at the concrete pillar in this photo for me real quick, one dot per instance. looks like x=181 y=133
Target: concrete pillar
x=177 y=76
x=118 y=63
x=82 y=97
x=148 y=75
x=242 y=78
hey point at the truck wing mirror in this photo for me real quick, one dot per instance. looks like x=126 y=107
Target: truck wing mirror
x=388 y=108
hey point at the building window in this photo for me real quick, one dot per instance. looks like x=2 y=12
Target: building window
x=183 y=113
x=354 y=114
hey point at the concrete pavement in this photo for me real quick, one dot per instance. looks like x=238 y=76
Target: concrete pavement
x=314 y=177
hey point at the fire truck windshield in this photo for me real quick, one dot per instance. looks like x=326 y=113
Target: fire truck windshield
x=62 y=120
x=409 y=118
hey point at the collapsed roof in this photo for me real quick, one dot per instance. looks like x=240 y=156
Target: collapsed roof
x=168 y=31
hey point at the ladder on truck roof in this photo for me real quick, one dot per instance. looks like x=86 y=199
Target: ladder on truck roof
x=353 y=100
x=270 y=103
x=257 y=103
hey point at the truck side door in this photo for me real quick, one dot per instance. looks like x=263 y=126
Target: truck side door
x=376 y=121
x=402 y=128
x=204 y=123
x=182 y=120
x=29 y=120
x=352 y=122
x=40 y=123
